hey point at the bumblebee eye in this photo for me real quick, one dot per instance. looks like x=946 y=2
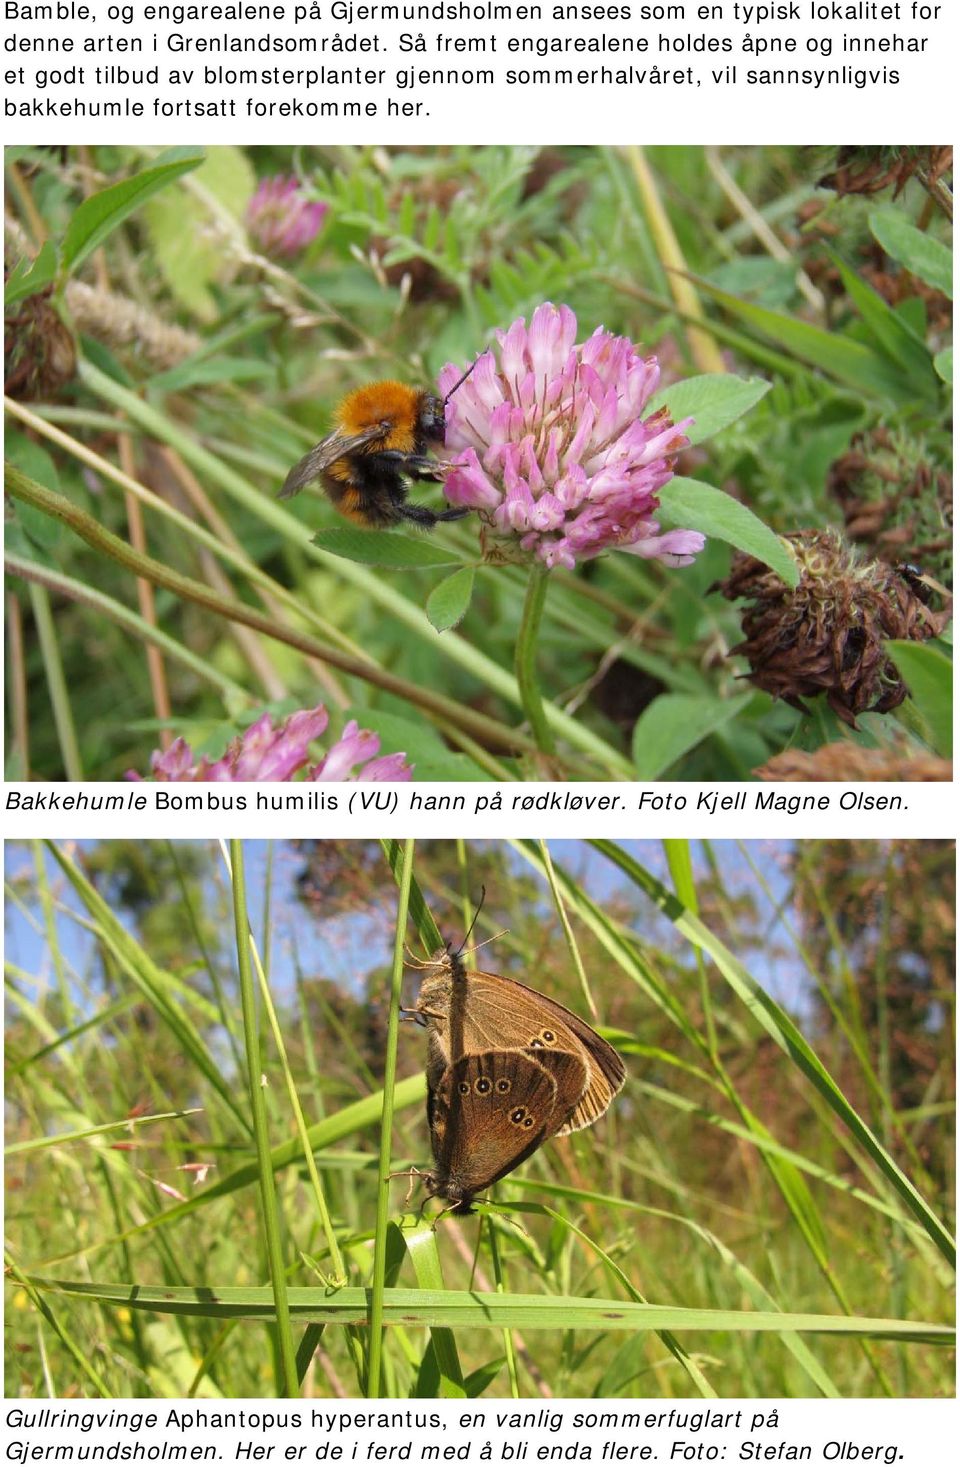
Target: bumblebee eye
x=517 y=1115
x=482 y=1086
x=503 y=1086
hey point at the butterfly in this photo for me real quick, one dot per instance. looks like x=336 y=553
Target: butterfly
x=488 y=1112
x=468 y=1011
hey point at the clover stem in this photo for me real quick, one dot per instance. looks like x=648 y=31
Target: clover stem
x=526 y=658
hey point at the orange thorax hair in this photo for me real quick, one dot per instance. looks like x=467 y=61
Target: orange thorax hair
x=390 y=402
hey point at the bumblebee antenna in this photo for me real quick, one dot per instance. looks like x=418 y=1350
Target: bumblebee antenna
x=483 y=897
x=459 y=383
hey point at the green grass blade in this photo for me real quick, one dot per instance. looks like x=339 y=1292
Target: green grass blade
x=462 y=1309
x=842 y=358
x=781 y=1028
x=155 y=985
x=350 y=1118
x=375 y=1325
x=769 y=1145
x=268 y=1193
x=56 y=681
x=144 y=631
x=904 y=348
x=42 y=1305
x=759 y=1296
x=421 y=1244
x=66 y=1138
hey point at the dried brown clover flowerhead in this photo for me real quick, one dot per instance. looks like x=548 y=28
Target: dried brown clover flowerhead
x=897 y=499
x=869 y=170
x=38 y=351
x=829 y=633
x=846 y=760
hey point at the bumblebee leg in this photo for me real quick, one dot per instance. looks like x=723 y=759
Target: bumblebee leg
x=412 y=465
x=419 y=514
x=380 y=494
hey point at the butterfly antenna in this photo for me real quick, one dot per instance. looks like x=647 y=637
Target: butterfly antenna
x=487 y=940
x=460 y=380
x=466 y=935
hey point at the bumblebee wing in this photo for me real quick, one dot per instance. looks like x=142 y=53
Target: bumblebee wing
x=335 y=446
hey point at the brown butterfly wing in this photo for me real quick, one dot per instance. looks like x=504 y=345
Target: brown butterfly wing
x=482 y=1011
x=491 y=1110
x=572 y=1077
x=437 y=1060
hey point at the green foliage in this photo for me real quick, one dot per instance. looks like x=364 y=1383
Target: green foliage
x=383 y=547
x=943 y=361
x=693 y=505
x=929 y=675
x=99 y=215
x=850 y=362
x=695 y=1241
x=192 y=252
x=714 y=401
x=927 y=258
x=232 y=365
x=449 y=600
x=27 y=279
x=676 y=723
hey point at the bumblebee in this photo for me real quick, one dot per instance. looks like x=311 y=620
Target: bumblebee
x=380 y=439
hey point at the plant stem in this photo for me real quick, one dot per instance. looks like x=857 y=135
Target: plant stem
x=703 y=348
x=56 y=682
x=84 y=595
x=270 y=1013
x=102 y=540
x=18 y=749
x=526 y=658
x=268 y=1191
x=508 y=1345
x=375 y=1347
x=571 y=941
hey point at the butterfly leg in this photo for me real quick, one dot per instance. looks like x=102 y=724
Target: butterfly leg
x=497 y=1211
x=455 y=1207
x=412 y=1172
